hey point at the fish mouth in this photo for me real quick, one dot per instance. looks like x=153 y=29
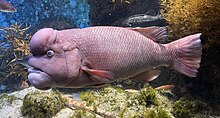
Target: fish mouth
x=39 y=79
x=34 y=70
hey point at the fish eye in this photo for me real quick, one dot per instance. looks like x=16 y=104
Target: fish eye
x=50 y=53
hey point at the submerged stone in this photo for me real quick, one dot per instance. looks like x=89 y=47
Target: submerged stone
x=42 y=104
x=184 y=108
x=116 y=102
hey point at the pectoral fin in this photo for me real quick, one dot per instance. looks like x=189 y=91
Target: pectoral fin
x=104 y=76
x=147 y=76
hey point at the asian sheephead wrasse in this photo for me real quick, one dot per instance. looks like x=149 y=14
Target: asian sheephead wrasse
x=100 y=55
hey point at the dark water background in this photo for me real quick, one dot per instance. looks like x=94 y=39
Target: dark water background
x=64 y=14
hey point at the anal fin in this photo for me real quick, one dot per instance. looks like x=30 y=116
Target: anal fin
x=147 y=76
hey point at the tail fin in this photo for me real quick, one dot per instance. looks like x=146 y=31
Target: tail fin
x=188 y=57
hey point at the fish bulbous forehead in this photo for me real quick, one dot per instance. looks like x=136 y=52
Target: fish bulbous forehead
x=39 y=41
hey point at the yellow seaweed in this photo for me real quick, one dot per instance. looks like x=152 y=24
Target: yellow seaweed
x=185 y=17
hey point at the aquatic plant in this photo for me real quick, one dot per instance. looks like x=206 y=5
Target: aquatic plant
x=42 y=104
x=15 y=45
x=186 y=17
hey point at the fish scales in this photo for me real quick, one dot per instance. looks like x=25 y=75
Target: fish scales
x=115 y=49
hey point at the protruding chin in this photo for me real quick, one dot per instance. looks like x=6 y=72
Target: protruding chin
x=40 y=80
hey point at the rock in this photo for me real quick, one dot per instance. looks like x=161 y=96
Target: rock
x=13 y=110
x=41 y=104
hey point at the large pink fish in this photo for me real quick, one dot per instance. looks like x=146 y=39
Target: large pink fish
x=99 y=55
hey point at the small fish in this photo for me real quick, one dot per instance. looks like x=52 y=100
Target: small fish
x=131 y=91
x=99 y=55
x=6 y=7
x=142 y=19
x=165 y=87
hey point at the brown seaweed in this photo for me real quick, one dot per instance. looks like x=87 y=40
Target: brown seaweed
x=15 y=45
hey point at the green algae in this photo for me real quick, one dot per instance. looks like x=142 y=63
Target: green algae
x=82 y=114
x=8 y=98
x=87 y=96
x=184 y=108
x=11 y=98
x=149 y=96
x=146 y=102
x=156 y=113
x=4 y=97
x=116 y=102
x=42 y=104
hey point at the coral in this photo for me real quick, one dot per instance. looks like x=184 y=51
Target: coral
x=16 y=41
x=42 y=104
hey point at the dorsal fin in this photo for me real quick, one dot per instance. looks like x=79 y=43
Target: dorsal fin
x=154 y=33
